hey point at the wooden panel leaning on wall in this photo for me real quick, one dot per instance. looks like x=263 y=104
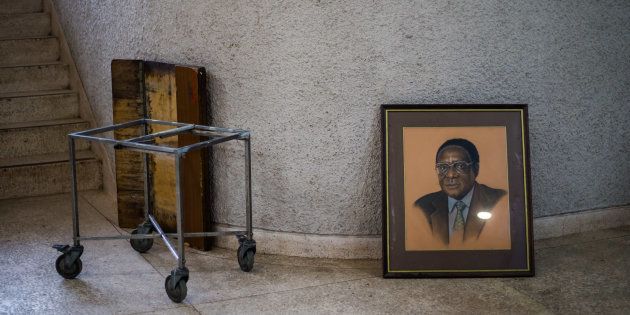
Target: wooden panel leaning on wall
x=128 y=103
x=172 y=93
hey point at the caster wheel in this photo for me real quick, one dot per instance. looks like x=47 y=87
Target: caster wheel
x=178 y=293
x=141 y=245
x=246 y=258
x=69 y=273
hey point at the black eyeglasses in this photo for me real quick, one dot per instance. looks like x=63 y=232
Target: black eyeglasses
x=460 y=167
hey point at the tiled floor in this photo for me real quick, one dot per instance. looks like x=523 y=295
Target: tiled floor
x=585 y=273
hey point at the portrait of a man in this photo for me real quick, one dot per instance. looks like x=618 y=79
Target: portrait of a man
x=456 y=195
x=458 y=212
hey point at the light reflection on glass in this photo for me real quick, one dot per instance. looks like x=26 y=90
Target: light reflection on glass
x=484 y=215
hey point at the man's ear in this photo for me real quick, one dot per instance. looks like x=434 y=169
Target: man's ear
x=476 y=169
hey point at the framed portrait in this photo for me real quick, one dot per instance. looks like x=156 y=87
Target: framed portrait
x=456 y=191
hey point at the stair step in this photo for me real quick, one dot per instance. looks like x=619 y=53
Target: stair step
x=26 y=24
x=36 y=77
x=41 y=137
x=45 y=158
x=34 y=93
x=47 y=174
x=28 y=50
x=20 y=6
x=54 y=105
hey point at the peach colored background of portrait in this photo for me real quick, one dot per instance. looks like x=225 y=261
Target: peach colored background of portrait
x=420 y=144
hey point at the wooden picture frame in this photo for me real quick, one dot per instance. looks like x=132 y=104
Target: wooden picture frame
x=456 y=191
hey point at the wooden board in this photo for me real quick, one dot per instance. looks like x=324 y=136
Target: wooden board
x=161 y=102
x=172 y=93
x=192 y=108
x=128 y=104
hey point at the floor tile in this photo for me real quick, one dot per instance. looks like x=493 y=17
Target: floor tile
x=583 y=237
x=581 y=278
x=216 y=278
x=385 y=296
x=26 y=240
x=183 y=310
x=98 y=294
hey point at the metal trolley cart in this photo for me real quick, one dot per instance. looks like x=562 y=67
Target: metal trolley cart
x=69 y=264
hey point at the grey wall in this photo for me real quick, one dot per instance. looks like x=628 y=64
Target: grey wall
x=307 y=77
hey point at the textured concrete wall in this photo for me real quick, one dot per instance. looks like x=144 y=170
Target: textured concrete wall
x=307 y=77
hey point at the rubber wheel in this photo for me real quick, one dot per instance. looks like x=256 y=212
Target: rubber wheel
x=245 y=258
x=178 y=294
x=141 y=245
x=68 y=273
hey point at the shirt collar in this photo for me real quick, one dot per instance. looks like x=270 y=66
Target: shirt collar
x=466 y=200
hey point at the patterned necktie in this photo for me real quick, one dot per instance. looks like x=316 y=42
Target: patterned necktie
x=458 y=225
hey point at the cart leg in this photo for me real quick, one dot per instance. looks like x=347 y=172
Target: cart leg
x=73 y=187
x=147 y=180
x=247 y=245
x=146 y=227
x=175 y=283
x=248 y=186
x=69 y=264
x=179 y=203
x=147 y=187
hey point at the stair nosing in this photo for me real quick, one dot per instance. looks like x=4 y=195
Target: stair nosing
x=43 y=123
x=43 y=159
x=36 y=93
x=28 y=38
x=17 y=36
x=18 y=13
x=4 y=15
x=26 y=65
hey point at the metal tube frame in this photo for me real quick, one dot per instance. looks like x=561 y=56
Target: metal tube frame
x=179 y=205
x=248 y=185
x=217 y=135
x=75 y=200
x=161 y=235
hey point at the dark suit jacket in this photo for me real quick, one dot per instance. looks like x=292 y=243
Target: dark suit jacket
x=435 y=207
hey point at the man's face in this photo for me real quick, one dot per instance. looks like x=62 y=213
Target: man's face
x=453 y=183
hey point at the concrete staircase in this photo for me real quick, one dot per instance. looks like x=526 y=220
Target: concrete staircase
x=38 y=108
